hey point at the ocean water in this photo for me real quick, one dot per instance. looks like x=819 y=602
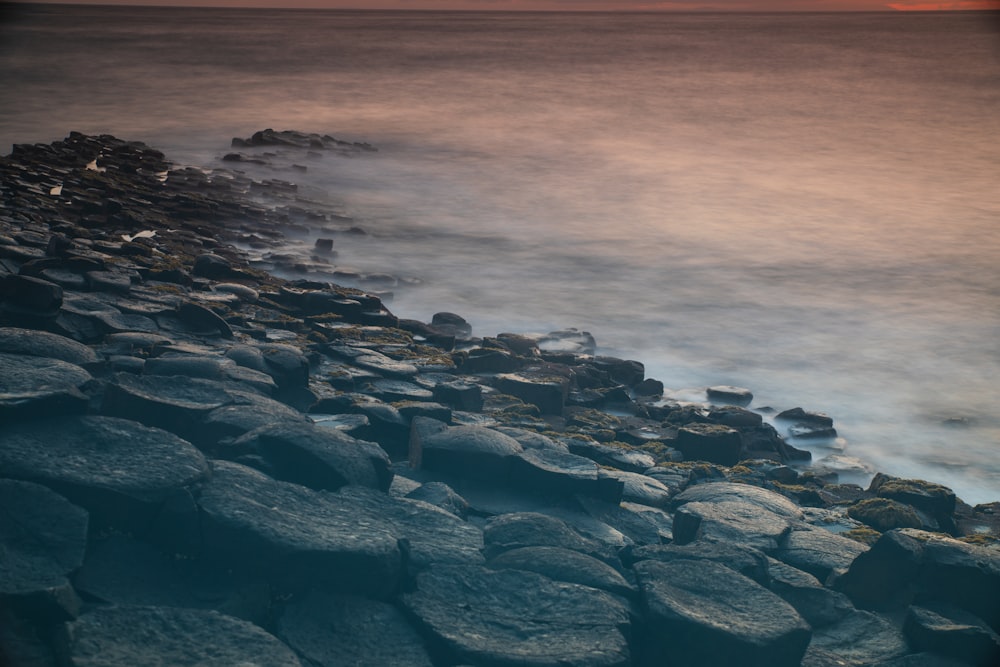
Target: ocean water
x=802 y=204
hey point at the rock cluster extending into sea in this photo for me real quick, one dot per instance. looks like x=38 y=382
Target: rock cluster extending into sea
x=204 y=464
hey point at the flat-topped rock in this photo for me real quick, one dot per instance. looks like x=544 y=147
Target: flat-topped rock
x=44 y=344
x=296 y=537
x=117 y=469
x=33 y=386
x=124 y=636
x=819 y=552
x=43 y=537
x=745 y=560
x=702 y=613
x=564 y=565
x=861 y=638
x=520 y=618
x=471 y=451
x=332 y=630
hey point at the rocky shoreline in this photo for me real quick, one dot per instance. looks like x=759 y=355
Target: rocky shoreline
x=203 y=463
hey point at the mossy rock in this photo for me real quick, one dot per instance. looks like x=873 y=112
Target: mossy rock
x=864 y=535
x=884 y=514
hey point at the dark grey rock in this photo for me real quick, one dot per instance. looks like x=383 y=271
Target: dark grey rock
x=546 y=391
x=640 y=524
x=936 y=500
x=819 y=605
x=709 y=442
x=249 y=412
x=297 y=537
x=133 y=635
x=739 y=521
x=119 y=470
x=431 y=534
x=730 y=395
x=747 y=561
x=44 y=344
x=531 y=529
x=861 y=638
x=800 y=415
x=38 y=386
x=202 y=320
x=316 y=457
x=42 y=539
x=121 y=570
x=108 y=281
x=819 y=552
x=333 y=630
x=440 y=495
x=641 y=489
x=629 y=460
x=175 y=403
x=703 y=613
x=948 y=630
x=521 y=618
x=468 y=451
x=561 y=473
x=561 y=564
x=31 y=293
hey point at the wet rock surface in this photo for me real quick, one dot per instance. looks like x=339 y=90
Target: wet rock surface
x=203 y=463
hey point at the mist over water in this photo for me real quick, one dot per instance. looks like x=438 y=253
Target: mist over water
x=805 y=205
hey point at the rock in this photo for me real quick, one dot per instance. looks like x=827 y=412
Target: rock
x=545 y=390
x=640 y=489
x=730 y=395
x=861 y=638
x=934 y=499
x=905 y=564
x=119 y=470
x=108 y=281
x=747 y=561
x=44 y=344
x=440 y=495
x=819 y=552
x=33 y=294
x=123 y=571
x=332 y=630
x=324 y=246
x=531 y=529
x=317 y=457
x=884 y=514
x=702 y=613
x=561 y=473
x=431 y=534
x=818 y=605
x=641 y=524
x=566 y=565
x=131 y=635
x=201 y=320
x=520 y=618
x=733 y=512
x=286 y=364
x=212 y=267
x=176 y=403
x=799 y=415
x=954 y=632
x=469 y=451
x=296 y=537
x=709 y=442
x=629 y=460
x=452 y=324
x=43 y=537
x=37 y=386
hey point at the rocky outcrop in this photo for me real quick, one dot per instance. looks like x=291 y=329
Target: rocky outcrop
x=203 y=463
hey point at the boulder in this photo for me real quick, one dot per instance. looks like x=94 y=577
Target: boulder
x=38 y=386
x=729 y=395
x=296 y=537
x=520 y=618
x=173 y=402
x=709 y=442
x=819 y=605
x=545 y=390
x=531 y=529
x=440 y=495
x=936 y=500
x=884 y=514
x=640 y=489
x=119 y=470
x=319 y=458
x=44 y=344
x=640 y=524
x=123 y=636
x=561 y=564
x=747 y=561
x=333 y=630
x=726 y=511
x=947 y=630
x=43 y=537
x=561 y=473
x=703 y=613
x=861 y=638
x=819 y=552
x=468 y=451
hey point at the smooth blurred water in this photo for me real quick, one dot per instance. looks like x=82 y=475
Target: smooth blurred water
x=805 y=205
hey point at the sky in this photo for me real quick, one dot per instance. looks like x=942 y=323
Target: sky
x=593 y=5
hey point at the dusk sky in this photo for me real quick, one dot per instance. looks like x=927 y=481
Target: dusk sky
x=578 y=5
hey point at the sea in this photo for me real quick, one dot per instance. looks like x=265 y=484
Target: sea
x=806 y=205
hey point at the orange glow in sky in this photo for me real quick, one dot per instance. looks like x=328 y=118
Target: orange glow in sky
x=577 y=5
